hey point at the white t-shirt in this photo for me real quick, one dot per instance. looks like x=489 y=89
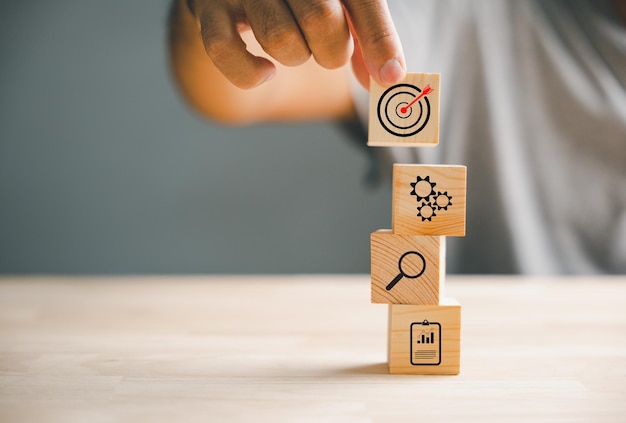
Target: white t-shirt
x=533 y=102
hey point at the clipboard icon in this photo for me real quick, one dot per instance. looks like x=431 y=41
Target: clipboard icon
x=425 y=343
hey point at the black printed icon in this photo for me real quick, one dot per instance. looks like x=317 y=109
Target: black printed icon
x=443 y=200
x=425 y=343
x=404 y=110
x=429 y=200
x=423 y=189
x=426 y=211
x=411 y=265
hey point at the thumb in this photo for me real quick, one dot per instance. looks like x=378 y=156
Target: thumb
x=380 y=47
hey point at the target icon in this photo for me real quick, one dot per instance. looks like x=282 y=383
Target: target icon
x=404 y=110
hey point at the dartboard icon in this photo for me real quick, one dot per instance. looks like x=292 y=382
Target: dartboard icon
x=404 y=109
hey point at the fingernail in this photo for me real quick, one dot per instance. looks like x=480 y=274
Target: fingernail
x=391 y=72
x=270 y=75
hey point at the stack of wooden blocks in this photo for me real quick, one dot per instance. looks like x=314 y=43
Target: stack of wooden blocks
x=408 y=261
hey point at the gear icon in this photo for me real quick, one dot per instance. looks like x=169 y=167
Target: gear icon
x=426 y=211
x=443 y=200
x=423 y=189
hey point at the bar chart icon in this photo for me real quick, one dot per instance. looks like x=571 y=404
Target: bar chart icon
x=425 y=343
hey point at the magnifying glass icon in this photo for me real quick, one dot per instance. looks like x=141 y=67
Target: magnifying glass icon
x=411 y=265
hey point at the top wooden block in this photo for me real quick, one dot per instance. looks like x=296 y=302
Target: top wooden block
x=405 y=114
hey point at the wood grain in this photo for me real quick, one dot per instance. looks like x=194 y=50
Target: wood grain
x=415 y=119
x=442 y=212
x=387 y=250
x=403 y=349
x=303 y=348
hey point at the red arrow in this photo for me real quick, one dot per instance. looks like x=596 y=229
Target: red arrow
x=427 y=90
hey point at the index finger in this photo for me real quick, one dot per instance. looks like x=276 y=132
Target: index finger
x=227 y=50
x=378 y=39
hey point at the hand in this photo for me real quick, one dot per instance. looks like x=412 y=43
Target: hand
x=290 y=31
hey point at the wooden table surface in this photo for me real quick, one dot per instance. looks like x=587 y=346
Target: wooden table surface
x=303 y=349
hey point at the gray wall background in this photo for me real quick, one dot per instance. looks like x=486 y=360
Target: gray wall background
x=103 y=169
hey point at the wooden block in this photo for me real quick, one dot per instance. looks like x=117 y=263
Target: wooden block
x=407 y=269
x=429 y=199
x=405 y=114
x=425 y=340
